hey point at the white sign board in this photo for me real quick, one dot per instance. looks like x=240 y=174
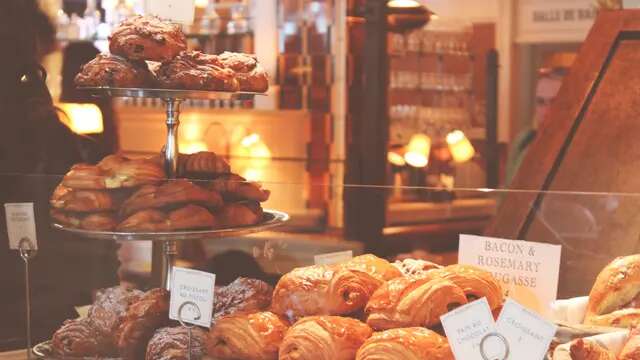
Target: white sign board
x=182 y=11
x=555 y=21
x=192 y=296
x=333 y=258
x=528 y=271
x=527 y=334
x=466 y=326
x=21 y=226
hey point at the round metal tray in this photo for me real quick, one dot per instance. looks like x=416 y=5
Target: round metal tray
x=168 y=93
x=271 y=219
x=44 y=350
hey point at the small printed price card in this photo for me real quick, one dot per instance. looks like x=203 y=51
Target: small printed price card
x=333 y=258
x=527 y=334
x=191 y=296
x=466 y=326
x=21 y=226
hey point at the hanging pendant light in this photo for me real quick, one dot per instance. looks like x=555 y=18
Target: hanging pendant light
x=406 y=15
x=460 y=146
x=418 y=151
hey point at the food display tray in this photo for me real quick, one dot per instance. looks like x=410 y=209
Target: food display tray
x=104 y=91
x=270 y=219
x=44 y=350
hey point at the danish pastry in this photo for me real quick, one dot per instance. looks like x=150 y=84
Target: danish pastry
x=323 y=290
x=114 y=173
x=255 y=336
x=194 y=70
x=407 y=302
x=243 y=295
x=79 y=338
x=172 y=343
x=190 y=217
x=172 y=194
x=143 y=318
x=251 y=76
x=67 y=199
x=405 y=344
x=324 y=338
x=96 y=221
x=239 y=214
x=114 y=71
x=147 y=38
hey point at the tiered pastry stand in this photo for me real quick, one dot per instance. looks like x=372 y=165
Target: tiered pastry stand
x=172 y=100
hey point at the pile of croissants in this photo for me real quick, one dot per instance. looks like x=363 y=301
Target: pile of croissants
x=365 y=308
x=134 y=195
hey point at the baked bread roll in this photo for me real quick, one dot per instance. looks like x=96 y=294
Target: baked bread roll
x=475 y=282
x=631 y=349
x=243 y=295
x=175 y=193
x=251 y=76
x=114 y=71
x=379 y=268
x=172 y=343
x=234 y=187
x=255 y=336
x=323 y=290
x=95 y=221
x=194 y=70
x=190 y=217
x=109 y=310
x=79 y=338
x=415 y=267
x=324 y=337
x=239 y=214
x=143 y=318
x=147 y=38
x=405 y=344
x=408 y=302
x=581 y=349
x=615 y=297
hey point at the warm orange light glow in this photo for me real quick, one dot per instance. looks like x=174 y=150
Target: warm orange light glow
x=83 y=118
x=403 y=4
x=416 y=159
x=192 y=147
x=460 y=146
x=420 y=143
x=202 y=3
x=396 y=159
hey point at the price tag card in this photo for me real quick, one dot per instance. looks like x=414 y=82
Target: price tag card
x=182 y=11
x=21 y=226
x=528 y=271
x=191 y=296
x=333 y=258
x=465 y=328
x=528 y=334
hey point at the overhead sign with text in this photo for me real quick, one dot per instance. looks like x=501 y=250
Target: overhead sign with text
x=554 y=20
x=527 y=270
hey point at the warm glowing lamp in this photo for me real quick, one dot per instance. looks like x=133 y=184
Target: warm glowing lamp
x=406 y=15
x=202 y=3
x=395 y=158
x=254 y=156
x=192 y=147
x=460 y=146
x=83 y=118
x=418 y=151
x=403 y=4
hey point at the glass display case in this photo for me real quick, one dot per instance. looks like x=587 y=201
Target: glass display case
x=314 y=268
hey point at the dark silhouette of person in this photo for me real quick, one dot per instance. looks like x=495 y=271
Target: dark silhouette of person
x=35 y=150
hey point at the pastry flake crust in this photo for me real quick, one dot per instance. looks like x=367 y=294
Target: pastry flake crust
x=475 y=282
x=114 y=172
x=189 y=217
x=172 y=343
x=104 y=221
x=147 y=38
x=243 y=295
x=79 y=338
x=174 y=193
x=581 y=349
x=68 y=199
x=405 y=344
x=114 y=71
x=251 y=76
x=324 y=338
x=194 y=70
x=254 y=336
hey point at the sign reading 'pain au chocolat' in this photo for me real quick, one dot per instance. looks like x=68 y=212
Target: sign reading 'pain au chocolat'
x=528 y=271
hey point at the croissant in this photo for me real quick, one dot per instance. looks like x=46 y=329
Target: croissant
x=475 y=282
x=239 y=214
x=171 y=194
x=172 y=343
x=254 y=336
x=379 y=268
x=202 y=163
x=96 y=221
x=405 y=344
x=615 y=297
x=581 y=349
x=324 y=338
x=631 y=349
x=185 y=218
x=323 y=290
x=406 y=302
x=110 y=309
x=234 y=187
x=65 y=198
x=242 y=295
x=79 y=338
x=143 y=318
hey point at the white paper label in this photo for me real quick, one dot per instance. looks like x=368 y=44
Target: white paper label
x=333 y=258
x=192 y=296
x=466 y=326
x=631 y=4
x=528 y=271
x=21 y=226
x=182 y=11
x=528 y=335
